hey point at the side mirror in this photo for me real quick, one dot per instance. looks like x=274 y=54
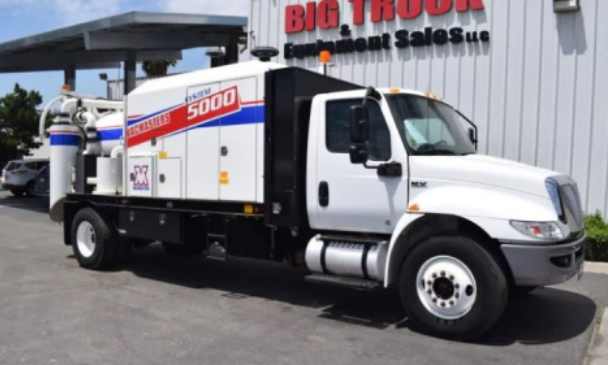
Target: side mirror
x=358 y=154
x=359 y=124
x=359 y=134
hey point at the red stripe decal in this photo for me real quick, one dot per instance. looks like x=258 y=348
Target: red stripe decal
x=198 y=112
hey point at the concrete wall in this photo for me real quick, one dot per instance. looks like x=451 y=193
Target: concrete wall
x=538 y=90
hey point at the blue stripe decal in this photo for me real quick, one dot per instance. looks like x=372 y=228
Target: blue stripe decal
x=64 y=140
x=247 y=115
x=109 y=134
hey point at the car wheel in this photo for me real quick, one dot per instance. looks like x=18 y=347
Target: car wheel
x=96 y=245
x=30 y=189
x=452 y=287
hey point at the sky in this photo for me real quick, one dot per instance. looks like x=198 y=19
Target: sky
x=21 y=18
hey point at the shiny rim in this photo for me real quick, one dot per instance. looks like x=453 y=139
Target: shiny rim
x=446 y=287
x=86 y=239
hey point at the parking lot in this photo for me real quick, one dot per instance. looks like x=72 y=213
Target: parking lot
x=169 y=310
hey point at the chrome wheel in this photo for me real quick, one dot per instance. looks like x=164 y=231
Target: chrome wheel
x=86 y=239
x=446 y=287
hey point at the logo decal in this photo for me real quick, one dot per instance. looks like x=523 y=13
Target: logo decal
x=419 y=184
x=196 y=113
x=141 y=183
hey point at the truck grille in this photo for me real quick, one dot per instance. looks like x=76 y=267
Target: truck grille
x=573 y=209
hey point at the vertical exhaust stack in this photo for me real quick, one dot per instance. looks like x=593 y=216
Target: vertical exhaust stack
x=65 y=144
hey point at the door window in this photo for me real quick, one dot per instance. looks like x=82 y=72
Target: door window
x=338 y=129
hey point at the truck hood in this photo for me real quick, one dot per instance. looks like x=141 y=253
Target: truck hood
x=482 y=170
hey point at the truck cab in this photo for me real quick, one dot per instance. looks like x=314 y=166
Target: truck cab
x=368 y=188
x=404 y=164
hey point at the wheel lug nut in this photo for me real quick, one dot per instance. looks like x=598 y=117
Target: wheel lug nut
x=457 y=286
x=451 y=302
x=457 y=296
x=429 y=292
x=434 y=300
x=443 y=273
x=434 y=276
x=443 y=304
x=429 y=283
x=452 y=277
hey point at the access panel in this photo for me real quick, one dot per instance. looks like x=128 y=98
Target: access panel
x=203 y=138
x=238 y=140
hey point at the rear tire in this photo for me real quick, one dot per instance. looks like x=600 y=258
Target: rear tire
x=468 y=292
x=17 y=193
x=96 y=245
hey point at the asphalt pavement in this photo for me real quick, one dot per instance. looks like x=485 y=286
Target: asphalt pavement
x=168 y=310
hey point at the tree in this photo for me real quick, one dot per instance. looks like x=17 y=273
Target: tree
x=19 y=120
x=157 y=68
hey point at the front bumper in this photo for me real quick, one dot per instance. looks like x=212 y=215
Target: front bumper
x=11 y=187
x=542 y=265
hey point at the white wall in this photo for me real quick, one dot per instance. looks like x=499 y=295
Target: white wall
x=538 y=90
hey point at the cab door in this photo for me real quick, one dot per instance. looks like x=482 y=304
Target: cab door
x=351 y=197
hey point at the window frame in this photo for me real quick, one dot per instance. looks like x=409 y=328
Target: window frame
x=327 y=145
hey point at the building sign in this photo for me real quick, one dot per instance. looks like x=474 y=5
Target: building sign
x=326 y=15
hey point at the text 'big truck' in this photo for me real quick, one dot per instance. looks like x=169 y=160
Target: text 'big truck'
x=367 y=188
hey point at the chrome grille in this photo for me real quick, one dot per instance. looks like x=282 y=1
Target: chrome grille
x=573 y=209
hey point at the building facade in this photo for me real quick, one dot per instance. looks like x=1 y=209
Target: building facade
x=534 y=79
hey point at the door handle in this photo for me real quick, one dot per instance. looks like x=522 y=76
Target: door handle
x=324 y=194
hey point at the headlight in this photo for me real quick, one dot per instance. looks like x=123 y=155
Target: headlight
x=549 y=232
x=554 y=194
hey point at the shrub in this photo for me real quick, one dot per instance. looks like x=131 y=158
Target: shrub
x=597 y=243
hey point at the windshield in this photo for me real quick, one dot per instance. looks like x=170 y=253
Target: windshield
x=12 y=166
x=429 y=127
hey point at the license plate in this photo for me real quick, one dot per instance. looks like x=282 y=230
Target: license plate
x=581 y=270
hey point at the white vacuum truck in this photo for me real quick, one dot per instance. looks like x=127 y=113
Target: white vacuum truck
x=367 y=188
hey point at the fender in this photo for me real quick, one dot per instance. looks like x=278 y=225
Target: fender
x=392 y=265
x=475 y=203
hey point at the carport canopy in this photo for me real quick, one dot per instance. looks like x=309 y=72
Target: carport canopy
x=128 y=38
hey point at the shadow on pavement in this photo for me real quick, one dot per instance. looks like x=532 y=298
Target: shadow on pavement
x=545 y=316
x=35 y=204
x=542 y=317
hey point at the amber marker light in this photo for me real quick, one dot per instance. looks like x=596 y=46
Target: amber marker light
x=325 y=57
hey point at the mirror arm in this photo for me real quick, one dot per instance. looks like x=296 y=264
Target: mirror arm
x=472 y=125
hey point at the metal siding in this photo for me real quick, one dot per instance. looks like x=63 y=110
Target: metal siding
x=538 y=91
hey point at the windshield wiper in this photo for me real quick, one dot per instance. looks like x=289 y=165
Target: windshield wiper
x=439 y=153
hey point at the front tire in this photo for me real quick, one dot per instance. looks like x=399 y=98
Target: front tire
x=96 y=245
x=452 y=287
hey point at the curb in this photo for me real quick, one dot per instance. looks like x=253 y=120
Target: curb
x=599 y=349
x=596 y=268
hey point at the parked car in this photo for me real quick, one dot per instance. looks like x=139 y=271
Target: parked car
x=20 y=176
x=43 y=182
